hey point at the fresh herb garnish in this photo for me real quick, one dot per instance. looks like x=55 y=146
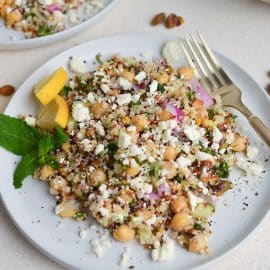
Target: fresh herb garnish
x=112 y=148
x=191 y=95
x=98 y=58
x=209 y=151
x=64 y=92
x=211 y=113
x=222 y=169
x=135 y=104
x=154 y=170
x=45 y=30
x=161 y=88
x=198 y=226
x=177 y=178
x=26 y=141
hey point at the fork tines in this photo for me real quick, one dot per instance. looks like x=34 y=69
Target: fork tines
x=204 y=63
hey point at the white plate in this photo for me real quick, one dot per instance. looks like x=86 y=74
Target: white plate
x=31 y=208
x=14 y=40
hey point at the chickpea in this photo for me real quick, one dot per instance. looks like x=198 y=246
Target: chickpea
x=239 y=144
x=133 y=170
x=66 y=209
x=198 y=244
x=126 y=120
x=123 y=233
x=46 y=172
x=162 y=78
x=164 y=115
x=4 y=10
x=140 y=122
x=168 y=166
x=13 y=17
x=179 y=204
x=180 y=222
x=96 y=177
x=146 y=214
x=66 y=147
x=99 y=109
x=127 y=195
x=186 y=72
x=207 y=123
x=114 y=92
x=130 y=76
x=170 y=153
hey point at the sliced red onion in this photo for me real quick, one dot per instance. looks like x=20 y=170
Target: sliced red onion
x=179 y=114
x=163 y=189
x=205 y=97
x=153 y=196
x=53 y=7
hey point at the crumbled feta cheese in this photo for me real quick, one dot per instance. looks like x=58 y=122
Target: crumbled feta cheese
x=135 y=97
x=58 y=208
x=252 y=151
x=99 y=149
x=193 y=200
x=83 y=234
x=91 y=97
x=163 y=253
x=124 y=140
x=77 y=66
x=140 y=76
x=100 y=129
x=229 y=138
x=250 y=168
x=131 y=129
x=80 y=113
x=217 y=135
x=169 y=124
x=124 y=258
x=153 y=86
x=99 y=245
x=125 y=84
x=86 y=145
x=73 y=18
x=172 y=52
x=139 y=184
x=204 y=189
x=186 y=148
x=31 y=121
x=105 y=88
x=201 y=156
x=183 y=162
x=123 y=99
x=45 y=2
x=193 y=133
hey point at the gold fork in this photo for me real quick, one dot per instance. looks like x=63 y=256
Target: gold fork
x=213 y=77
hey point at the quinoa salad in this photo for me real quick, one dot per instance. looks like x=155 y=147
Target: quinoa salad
x=149 y=153
x=44 y=17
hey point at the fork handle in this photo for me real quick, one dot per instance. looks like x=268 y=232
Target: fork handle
x=262 y=130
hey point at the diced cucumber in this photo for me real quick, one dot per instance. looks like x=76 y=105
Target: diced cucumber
x=203 y=210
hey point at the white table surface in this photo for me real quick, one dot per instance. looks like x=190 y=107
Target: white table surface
x=240 y=29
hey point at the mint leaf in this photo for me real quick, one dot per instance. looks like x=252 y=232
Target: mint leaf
x=45 y=145
x=16 y=136
x=60 y=137
x=26 y=167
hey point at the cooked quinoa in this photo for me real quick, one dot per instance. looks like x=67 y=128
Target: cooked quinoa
x=45 y=17
x=147 y=156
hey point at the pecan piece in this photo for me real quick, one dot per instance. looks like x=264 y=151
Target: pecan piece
x=158 y=19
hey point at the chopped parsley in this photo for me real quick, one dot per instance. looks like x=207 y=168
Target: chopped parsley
x=46 y=30
x=211 y=113
x=112 y=148
x=198 y=226
x=191 y=95
x=222 y=169
x=98 y=58
x=64 y=92
x=161 y=88
x=154 y=170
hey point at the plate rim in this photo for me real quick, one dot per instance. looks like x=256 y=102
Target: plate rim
x=56 y=37
x=203 y=265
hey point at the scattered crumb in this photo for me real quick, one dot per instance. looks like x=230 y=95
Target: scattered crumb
x=83 y=234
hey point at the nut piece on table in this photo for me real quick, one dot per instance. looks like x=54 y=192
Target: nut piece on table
x=7 y=90
x=173 y=21
x=158 y=19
